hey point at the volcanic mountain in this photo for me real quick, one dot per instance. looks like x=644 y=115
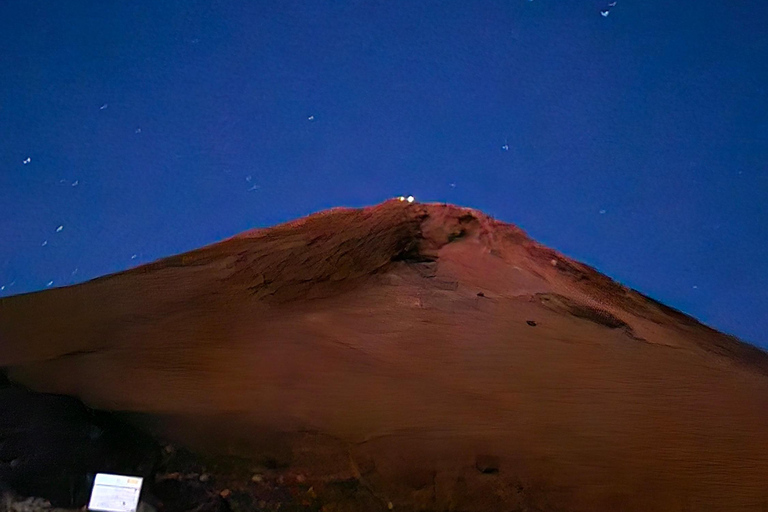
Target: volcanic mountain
x=439 y=356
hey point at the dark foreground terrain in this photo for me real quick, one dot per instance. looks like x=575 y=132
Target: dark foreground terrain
x=52 y=446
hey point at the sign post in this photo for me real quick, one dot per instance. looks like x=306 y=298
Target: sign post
x=115 y=493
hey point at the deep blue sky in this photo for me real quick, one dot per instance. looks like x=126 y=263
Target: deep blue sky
x=153 y=127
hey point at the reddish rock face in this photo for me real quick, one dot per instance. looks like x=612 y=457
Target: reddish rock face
x=440 y=357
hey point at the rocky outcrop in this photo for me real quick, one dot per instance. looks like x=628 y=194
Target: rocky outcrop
x=428 y=355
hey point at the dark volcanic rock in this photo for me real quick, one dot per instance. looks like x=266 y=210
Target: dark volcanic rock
x=51 y=446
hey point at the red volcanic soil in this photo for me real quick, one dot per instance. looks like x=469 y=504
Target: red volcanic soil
x=439 y=357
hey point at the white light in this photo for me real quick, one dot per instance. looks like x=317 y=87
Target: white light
x=401 y=198
x=410 y=199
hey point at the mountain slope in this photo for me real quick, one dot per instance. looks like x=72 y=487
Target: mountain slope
x=440 y=356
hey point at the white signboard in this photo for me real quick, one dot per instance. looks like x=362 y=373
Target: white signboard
x=115 y=493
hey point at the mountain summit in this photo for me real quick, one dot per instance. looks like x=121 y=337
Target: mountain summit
x=439 y=356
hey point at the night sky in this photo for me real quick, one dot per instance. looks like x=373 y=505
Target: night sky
x=635 y=141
